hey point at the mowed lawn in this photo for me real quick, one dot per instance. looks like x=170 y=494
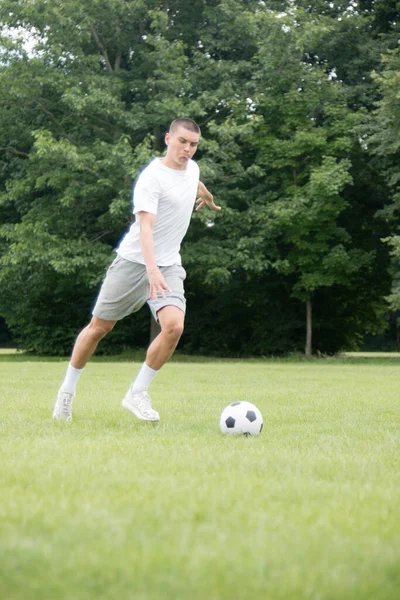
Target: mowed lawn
x=110 y=508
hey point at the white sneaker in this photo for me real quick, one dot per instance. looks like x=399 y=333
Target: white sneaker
x=63 y=407
x=139 y=404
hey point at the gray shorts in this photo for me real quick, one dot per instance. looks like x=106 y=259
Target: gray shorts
x=126 y=289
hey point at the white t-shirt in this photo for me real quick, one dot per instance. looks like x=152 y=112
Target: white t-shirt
x=170 y=194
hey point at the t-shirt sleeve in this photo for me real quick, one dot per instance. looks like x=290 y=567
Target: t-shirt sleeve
x=146 y=193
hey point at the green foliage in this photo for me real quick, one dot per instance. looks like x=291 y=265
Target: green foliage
x=282 y=93
x=385 y=144
x=385 y=130
x=394 y=297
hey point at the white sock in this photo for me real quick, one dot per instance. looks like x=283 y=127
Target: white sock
x=71 y=379
x=144 y=378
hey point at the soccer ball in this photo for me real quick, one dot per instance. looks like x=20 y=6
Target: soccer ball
x=241 y=417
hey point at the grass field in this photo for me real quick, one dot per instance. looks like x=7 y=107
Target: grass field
x=112 y=508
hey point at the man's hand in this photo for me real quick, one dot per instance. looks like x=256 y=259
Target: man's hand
x=205 y=197
x=157 y=283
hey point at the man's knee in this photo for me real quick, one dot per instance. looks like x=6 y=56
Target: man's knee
x=173 y=329
x=172 y=324
x=99 y=327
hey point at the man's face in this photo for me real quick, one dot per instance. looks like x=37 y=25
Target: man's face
x=181 y=145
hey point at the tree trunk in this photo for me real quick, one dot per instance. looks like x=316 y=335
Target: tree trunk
x=308 y=348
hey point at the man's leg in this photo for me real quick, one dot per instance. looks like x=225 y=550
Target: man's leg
x=160 y=350
x=85 y=345
x=88 y=339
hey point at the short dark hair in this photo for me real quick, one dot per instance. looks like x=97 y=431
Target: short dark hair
x=186 y=123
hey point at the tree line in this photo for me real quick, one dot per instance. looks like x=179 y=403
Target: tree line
x=298 y=103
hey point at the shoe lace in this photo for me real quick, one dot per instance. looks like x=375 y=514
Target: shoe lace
x=66 y=402
x=144 y=402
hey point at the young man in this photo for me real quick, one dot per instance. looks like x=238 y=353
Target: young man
x=147 y=268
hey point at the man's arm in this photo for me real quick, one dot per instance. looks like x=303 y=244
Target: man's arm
x=156 y=279
x=204 y=196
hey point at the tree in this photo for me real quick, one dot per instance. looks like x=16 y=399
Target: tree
x=384 y=141
x=78 y=111
x=281 y=108
x=286 y=199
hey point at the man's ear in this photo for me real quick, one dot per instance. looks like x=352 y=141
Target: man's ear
x=167 y=138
